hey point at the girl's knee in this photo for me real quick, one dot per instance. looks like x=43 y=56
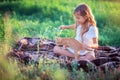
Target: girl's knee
x=90 y=57
x=56 y=49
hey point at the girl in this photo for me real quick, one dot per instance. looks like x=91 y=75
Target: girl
x=86 y=33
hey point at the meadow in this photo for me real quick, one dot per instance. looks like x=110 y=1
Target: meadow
x=42 y=18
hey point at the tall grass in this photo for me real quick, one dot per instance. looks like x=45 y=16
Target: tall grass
x=8 y=71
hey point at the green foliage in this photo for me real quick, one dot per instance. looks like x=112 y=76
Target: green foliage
x=40 y=19
x=1 y=28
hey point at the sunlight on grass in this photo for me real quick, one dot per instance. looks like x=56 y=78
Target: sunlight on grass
x=7 y=70
x=37 y=18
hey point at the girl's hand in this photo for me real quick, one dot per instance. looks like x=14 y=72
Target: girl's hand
x=86 y=47
x=62 y=27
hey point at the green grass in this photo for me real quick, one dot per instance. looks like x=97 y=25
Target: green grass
x=38 y=19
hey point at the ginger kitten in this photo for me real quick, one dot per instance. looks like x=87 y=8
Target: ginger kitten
x=72 y=43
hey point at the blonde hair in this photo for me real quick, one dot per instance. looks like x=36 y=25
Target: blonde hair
x=84 y=10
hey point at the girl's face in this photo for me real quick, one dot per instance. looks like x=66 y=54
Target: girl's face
x=80 y=19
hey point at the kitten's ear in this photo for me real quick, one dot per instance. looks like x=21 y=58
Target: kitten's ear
x=58 y=39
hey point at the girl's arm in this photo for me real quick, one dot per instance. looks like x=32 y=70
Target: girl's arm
x=94 y=46
x=95 y=43
x=68 y=26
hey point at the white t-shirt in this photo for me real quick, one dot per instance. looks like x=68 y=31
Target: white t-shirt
x=87 y=38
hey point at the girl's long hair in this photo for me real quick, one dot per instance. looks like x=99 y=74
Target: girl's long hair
x=84 y=10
